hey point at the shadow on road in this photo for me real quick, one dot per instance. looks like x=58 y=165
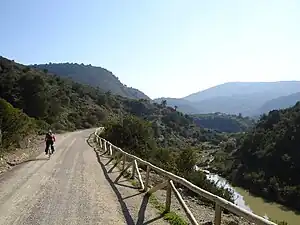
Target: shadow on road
x=128 y=186
x=154 y=219
x=26 y=161
x=141 y=215
x=130 y=196
x=126 y=213
x=143 y=208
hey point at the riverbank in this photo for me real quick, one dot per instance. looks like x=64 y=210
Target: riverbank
x=244 y=198
x=257 y=204
x=203 y=212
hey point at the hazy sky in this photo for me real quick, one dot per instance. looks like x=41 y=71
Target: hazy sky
x=168 y=48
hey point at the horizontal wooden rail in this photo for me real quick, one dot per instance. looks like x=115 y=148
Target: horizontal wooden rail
x=220 y=203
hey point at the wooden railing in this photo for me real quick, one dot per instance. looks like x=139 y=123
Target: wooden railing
x=119 y=155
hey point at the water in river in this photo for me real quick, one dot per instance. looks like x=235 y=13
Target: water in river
x=258 y=205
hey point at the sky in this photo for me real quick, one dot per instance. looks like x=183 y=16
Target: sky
x=165 y=48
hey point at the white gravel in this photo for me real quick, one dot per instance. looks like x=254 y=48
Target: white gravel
x=70 y=188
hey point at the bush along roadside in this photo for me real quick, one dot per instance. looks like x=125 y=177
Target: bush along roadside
x=203 y=212
x=135 y=136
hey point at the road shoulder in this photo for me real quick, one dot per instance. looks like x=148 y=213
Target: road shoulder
x=135 y=205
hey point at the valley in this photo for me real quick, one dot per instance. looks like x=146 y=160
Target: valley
x=203 y=98
x=245 y=199
x=221 y=137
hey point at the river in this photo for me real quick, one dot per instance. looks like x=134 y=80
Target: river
x=258 y=205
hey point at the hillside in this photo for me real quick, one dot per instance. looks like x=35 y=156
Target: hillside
x=280 y=103
x=223 y=122
x=66 y=105
x=63 y=104
x=14 y=126
x=234 y=97
x=181 y=104
x=267 y=159
x=270 y=89
x=94 y=76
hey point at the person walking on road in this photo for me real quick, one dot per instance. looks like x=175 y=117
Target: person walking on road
x=49 y=139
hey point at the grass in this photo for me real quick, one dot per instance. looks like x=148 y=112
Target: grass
x=171 y=216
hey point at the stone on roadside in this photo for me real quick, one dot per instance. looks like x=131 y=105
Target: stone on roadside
x=233 y=223
x=207 y=223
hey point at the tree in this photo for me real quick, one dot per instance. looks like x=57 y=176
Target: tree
x=132 y=134
x=164 y=103
x=14 y=124
x=266 y=160
x=186 y=161
x=33 y=94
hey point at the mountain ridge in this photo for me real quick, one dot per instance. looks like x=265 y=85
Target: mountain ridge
x=280 y=102
x=63 y=104
x=240 y=84
x=95 y=76
x=247 y=98
x=234 y=97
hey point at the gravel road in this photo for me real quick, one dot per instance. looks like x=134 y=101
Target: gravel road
x=70 y=188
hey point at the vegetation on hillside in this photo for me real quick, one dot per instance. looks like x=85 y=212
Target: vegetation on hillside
x=154 y=132
x=266 y=160
x=63 y=104
x=280 y=103
x=224 y=122
x=14 y=126
x=171 y=128
x=136 y=136
x=94 y=76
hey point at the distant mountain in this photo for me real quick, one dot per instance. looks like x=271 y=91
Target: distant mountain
x=182 y=104
x=223 y=122
x=234 y=97
x=271 y=89
x=244 y=104
x=94 y=76
x=280 y=103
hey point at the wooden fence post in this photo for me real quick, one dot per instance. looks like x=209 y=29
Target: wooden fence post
x=133 y=171
x=168 y=198
x=147 y=178
x=218 y=214
x=105 y=147
x=184 y=206
x=139 y=175
x=124 y=162
x=110 y=150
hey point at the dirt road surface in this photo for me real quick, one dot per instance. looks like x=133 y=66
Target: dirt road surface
x=70 y=188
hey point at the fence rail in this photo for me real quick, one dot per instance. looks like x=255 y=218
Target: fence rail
x=119 y=155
